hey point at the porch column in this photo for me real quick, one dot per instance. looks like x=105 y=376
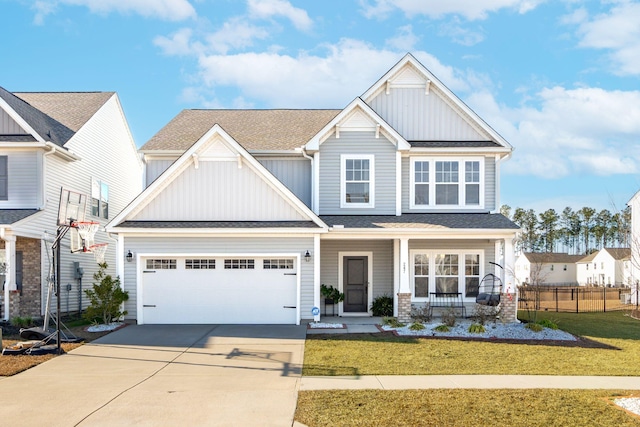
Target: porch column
x=396 y=274
x=404 y=292
x=509 y=296
x=10 y=272
x=316 y=274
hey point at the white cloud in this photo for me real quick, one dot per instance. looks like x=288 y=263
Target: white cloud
x=42 y=9
x=236 y=33
x=459 y=34
x=404 y=40
x=585 y=130
x=471 y=10
x=265 y=9
x=170 y=10
x=179 y=43
x=617 y=31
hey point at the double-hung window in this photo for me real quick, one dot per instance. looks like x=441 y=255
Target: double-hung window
x=445 y=183
x=357 y=181
x=99 y=199
x=445 y=271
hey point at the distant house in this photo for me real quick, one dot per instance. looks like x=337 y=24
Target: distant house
x=546 y=268
x=634 y=204
x=607 y=267
x=80 y=141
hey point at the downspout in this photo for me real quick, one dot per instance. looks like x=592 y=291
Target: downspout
x=51 y=150
x=313 y=183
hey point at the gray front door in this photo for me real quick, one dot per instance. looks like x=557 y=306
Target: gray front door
x=355 y=284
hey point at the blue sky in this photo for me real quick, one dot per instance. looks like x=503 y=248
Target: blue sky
x=559 y=79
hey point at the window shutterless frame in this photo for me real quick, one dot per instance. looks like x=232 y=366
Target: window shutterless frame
x=357 y=181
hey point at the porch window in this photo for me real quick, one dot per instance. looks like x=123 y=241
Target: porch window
x=421 y=276
x=471 y=274
x=446 y=273
x=357 y=183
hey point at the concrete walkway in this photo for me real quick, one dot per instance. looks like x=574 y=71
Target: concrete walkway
x=402 y=382
x=165 y=375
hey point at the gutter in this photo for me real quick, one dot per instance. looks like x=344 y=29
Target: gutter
x=313 y=183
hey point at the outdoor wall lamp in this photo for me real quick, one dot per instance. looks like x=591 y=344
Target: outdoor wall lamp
x=129 y=256
x=307 y=256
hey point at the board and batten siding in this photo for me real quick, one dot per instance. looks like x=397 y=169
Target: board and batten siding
x=155 y=167
x=24 y=179
x=382 y=280
x=8 y=126
x=218 y=191
x=230 y=245
x=108 y=153
x=489 y=186
x=423 y=117
x=295 y=174
x=364 y=143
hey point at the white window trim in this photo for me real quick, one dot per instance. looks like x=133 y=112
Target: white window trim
x=431 y=253
x=343 y=181
x=432 y=182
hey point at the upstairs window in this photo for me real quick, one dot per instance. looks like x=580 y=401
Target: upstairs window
x=99 y=199
x=4 y=178
x=444 y=183
x=357 y=183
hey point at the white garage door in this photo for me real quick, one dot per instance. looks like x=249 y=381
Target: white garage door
x=231 y=290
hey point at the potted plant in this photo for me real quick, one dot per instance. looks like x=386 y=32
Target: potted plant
x=331 y=295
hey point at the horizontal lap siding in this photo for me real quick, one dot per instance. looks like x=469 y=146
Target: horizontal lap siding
x=385 y=172
x=25 y=179
x=490 y=184
x=421 y=117
x=230 y=245
x=382 y=280
x=295 y=174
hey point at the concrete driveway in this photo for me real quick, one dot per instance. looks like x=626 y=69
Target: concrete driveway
x=165 y=375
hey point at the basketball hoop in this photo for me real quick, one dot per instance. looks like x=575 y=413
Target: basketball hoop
x=98 y=250
x=87 y=230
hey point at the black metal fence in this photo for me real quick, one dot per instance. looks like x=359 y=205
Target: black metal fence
x=575 y=299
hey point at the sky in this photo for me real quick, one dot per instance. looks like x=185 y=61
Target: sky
x=558 y=79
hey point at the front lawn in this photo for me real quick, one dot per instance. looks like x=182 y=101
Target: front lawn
x=458 y=407
x=385 y=354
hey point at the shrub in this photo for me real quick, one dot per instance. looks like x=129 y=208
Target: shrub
x=105 y=298
x=547 y=323
x=476 y=328
x=392 y=322
x=535 y=327
x=382 y=306
x=420 y=314
x=449 y=317
x=483 y=314
x=441 y=328
x=416 y=326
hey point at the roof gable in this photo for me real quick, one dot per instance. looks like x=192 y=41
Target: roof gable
x=410 y=73
x=357 y=116
x=215 y=168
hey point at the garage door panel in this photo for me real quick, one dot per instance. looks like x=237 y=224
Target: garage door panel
x=220 y=295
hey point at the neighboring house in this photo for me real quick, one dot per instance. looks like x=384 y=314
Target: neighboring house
x=607 y=267
x=79 y=141
x=247 y=212
x=634 y=204
x=553 y=268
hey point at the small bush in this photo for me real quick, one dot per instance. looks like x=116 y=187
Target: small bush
x=483 y=314
x=105 y=298
x=382 y=306
x=535 y=327
x=547 y=323
x=416 y=326
x=22 y=322
x=449 y=317
x=392 y=322
x=476 y=328
x=442 y=328
x=420 y=314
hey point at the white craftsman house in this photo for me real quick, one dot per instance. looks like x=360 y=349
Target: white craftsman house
x=607 y=267
x=80 y=141
x=247 y=213
x=533 y=268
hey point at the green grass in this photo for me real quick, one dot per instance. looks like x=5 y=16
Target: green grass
x=462 y=408
x=383 y=354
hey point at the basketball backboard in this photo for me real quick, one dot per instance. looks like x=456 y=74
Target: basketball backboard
x=72 y=208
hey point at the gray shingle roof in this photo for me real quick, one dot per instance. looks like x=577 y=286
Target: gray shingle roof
x=253 y=129
x=218 y=224
x=9 y=216
x=551 y=257
x=426 y=220
x=454 y=144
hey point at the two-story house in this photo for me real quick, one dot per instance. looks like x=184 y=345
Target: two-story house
x=551 y=268
x=606 y=267
x=79 y=141
x=247 y=213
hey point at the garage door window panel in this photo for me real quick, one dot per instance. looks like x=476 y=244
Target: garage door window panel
x=162 y=264
x=239 y=264
x=200 y=264
x=277 y=264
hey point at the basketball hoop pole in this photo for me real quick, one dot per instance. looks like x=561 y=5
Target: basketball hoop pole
x=56 y=261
